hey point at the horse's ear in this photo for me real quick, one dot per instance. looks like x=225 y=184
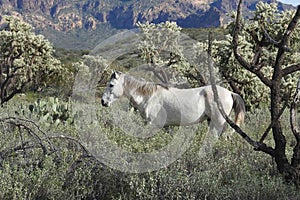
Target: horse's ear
x=115 y=75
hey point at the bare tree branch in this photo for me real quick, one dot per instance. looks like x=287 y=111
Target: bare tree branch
x=63 y=137
x=159 y=71
x=291 y=69
x=29 y=123
x=14 y=121
x=35 y=141
x=269 y=38
x=283 y=45
x=265 y=134
x=257 y=145
x=220 y=107
x=239 y=58
x=274 y=83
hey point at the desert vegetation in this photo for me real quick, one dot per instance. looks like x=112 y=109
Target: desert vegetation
x=42 y=155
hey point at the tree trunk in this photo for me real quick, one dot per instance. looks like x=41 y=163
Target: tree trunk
x=280 y=141
x=295 y=177
x=291 y=170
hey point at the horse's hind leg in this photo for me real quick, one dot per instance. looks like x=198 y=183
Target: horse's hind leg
x=214 y=132
x=210 y=139
x=217 y=121
x=221 y=128
x=216 y=128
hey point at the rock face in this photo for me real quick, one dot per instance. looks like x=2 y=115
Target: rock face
x=82 y=24
x=66 y=15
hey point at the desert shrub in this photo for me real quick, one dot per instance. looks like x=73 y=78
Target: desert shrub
x=231 y=171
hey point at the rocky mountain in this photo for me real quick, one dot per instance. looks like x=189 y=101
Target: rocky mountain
x=52 y=17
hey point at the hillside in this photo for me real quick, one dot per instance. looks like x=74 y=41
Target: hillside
x=67 y=23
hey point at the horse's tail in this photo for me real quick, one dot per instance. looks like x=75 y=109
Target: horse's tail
x=239 y=108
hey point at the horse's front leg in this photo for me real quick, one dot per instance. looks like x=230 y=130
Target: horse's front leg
x=156 y=115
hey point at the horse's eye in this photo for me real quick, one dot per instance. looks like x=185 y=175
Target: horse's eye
x=111 y=85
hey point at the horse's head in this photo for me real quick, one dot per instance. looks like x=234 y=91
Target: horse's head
x=114 y=89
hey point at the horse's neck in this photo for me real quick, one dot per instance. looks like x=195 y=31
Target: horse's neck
x=135 y=98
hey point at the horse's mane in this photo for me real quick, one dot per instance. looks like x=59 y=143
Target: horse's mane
x=141 y=86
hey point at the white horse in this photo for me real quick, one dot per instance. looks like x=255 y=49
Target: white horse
x=170 y=106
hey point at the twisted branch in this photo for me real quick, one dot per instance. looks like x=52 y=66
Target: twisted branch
x=257 y=145
x=37 y=142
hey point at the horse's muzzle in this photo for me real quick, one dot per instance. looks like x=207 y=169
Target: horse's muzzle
x=103 y=103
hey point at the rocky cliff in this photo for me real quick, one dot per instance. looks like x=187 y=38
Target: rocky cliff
x=70 y=15
x=65 y=15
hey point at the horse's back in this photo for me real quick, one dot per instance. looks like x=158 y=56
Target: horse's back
x=183 y=106
x=224 y=96
x=200 y=92
x=190 y=106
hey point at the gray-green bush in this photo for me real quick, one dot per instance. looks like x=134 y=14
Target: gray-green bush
x=231 y=171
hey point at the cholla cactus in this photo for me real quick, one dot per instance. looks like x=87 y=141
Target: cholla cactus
x=168 y=51
x=91 y=71
x=26 y=59
x=265 y=28
x=159 y=38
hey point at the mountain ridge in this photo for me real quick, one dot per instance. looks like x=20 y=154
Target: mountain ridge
x=59 y=17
